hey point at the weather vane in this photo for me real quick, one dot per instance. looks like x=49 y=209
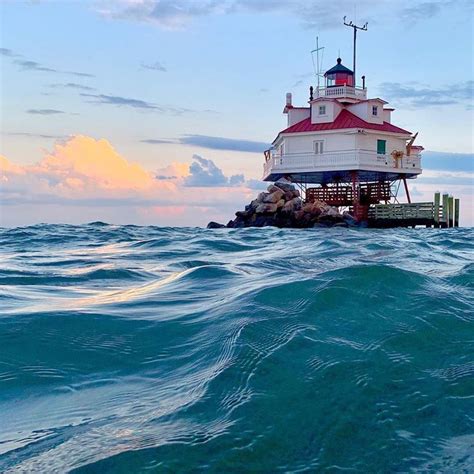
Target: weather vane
x=355 y=27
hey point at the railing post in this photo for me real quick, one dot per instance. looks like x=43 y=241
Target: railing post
x=451 y=211
x=456 y=213
x=436 y=209
x=445 y=209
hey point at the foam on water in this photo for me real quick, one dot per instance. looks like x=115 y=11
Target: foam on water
x=131 y=349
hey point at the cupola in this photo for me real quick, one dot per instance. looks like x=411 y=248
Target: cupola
x=339 y=75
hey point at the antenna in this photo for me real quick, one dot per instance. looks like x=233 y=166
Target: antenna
x=319 y=62
x=355 y=27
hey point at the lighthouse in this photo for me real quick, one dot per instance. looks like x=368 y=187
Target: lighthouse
x=343 y=147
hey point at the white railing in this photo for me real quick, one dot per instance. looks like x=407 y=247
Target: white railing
x=340 y=160
x=342 y=91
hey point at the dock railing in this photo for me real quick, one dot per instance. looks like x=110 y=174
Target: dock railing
x=418 y=210
x=442 y=212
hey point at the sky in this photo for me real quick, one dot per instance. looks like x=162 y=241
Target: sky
x=157 y=111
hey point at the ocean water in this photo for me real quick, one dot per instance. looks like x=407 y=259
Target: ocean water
x=129 y=349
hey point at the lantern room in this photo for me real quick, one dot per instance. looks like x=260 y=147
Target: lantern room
x=339 y=75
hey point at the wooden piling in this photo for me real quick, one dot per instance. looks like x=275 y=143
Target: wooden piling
x=456 y=213
x=451 y=211
x=445 y=215
x=436 y=209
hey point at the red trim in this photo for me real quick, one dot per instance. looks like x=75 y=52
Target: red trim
x=344 y=120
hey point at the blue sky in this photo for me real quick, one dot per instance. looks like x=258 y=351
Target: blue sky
x=163 y=81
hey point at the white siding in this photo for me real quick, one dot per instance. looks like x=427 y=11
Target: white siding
x=341 y=141
x=364 y=111
x=297 y=115
x=332 y=111
x=369 y=142
x=332 y=142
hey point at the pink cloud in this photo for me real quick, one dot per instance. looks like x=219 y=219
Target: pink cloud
x=86 y=173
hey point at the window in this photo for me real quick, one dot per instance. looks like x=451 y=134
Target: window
x=318 y=147
x=381 y=147
x=375 y=110
x=322 y=110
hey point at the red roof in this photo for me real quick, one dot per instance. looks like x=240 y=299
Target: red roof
x=345 y=119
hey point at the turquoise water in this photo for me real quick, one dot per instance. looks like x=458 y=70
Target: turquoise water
x=132 y=349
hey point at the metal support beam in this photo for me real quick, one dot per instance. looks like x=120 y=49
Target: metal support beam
x=406 y=190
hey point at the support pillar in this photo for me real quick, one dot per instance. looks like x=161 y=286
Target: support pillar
x=456 y=213
x=444 y=220
x=451 y=211
x=406 y=190
x=436 y=209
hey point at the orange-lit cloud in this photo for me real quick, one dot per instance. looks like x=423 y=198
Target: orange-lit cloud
x=8 y=168
x=83 y=172
x=84 y=160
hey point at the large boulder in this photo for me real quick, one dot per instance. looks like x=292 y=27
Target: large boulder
x=285 y=185
x=266 y=208
x=292 y=205
x=215 y=225
x=274 y=197
x=272 y=188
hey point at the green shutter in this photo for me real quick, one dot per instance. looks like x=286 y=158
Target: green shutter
x=381 y=147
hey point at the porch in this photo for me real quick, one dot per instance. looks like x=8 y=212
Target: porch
x=315 y=168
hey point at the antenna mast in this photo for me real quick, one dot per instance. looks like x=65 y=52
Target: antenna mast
x=317 y=67
x=355 y=27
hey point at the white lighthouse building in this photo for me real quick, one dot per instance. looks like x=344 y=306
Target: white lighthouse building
x=344 y=144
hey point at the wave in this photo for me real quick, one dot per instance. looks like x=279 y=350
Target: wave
x=129 y=349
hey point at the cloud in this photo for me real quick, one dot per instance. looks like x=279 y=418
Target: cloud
x=153 y=141
x=8 y=53
x=156 y=66
x=447 y=178
x=84 y=179
x=256 y=184
x=457 y=162
x=215 y=143
x=34 y=135
x=170 y=14
x=204 y=173
x=313 y=14
x=422 y=97
x=26 y=64
x=44 y=111
x=422 y=11
x=134 y=103
x=221 y=143
x=72 y=85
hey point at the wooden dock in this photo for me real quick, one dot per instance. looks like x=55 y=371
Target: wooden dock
x=439 y=213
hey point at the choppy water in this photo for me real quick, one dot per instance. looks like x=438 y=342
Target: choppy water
x=131 y=349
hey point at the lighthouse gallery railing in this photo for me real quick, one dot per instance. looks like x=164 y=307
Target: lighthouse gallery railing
x=342 y=91
x=347 y=159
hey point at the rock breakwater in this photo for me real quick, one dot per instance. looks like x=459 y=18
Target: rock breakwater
x=282 y=206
